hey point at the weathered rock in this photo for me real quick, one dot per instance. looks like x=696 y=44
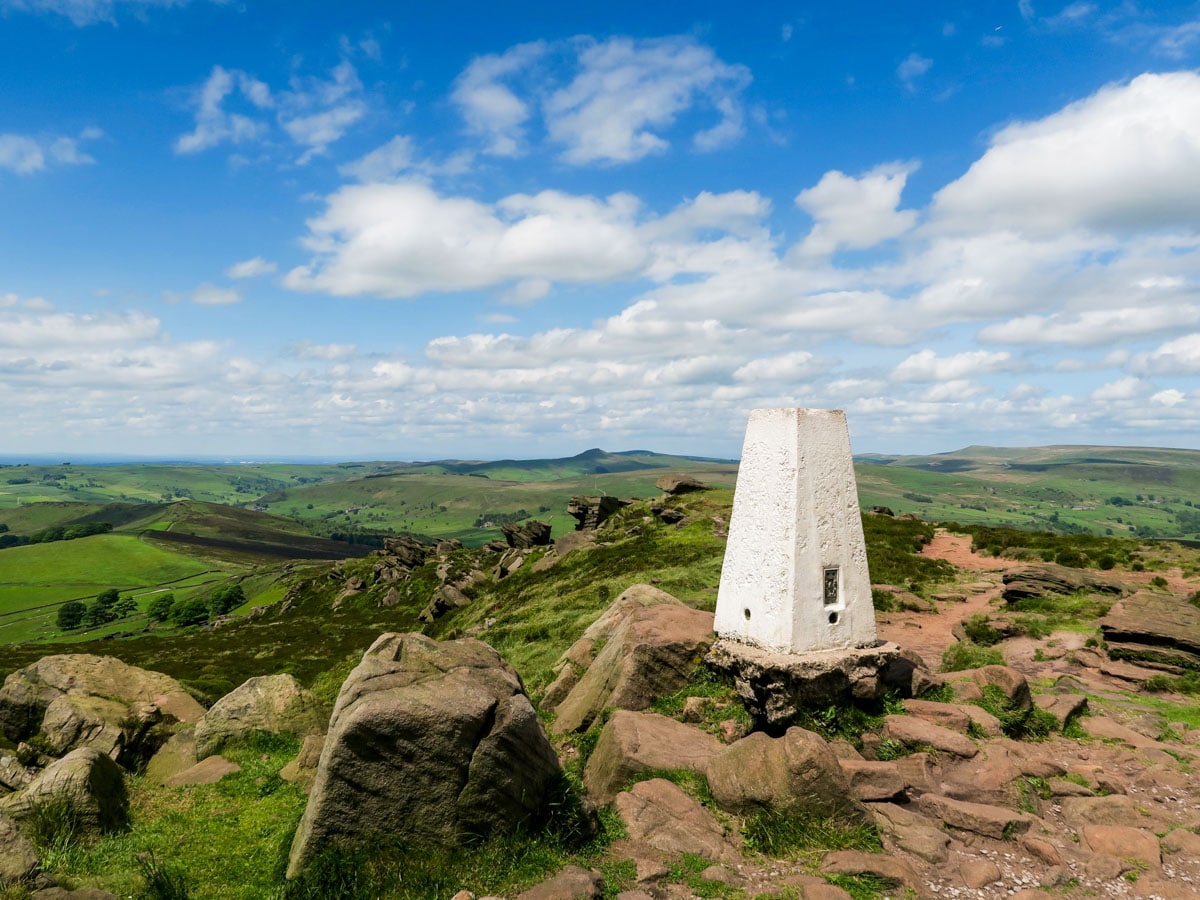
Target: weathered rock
x=947 y=715
x=776 y=686
x=18 y=859
x=1042 y=850
x=652 y=644
x=303 y=769
x=796 y=771
x=85 y=781
x=1044 y=580
x=889 y=869
x=1154 y=627
x=429 y=743
x=572 y=883
x=874 y=781
x=659 y=814
x=80 y=700
x=1010 y=682
x=275 y=704
x=445 y=598
x=532 y=534
x=407 y=551
x=1123 y=842
x=590 y=513
x=635 y=742
x=978 y=873
x=1180 y=840
x=912 y=832
x=679 y=484
x=1063 y=707
x=914 y=732
x=173 y=757
x=989 y=821
x=60 y=893
x=209 y=770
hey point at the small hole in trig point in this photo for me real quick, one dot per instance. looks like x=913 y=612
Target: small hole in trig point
x=833 y=618
x=746 y=613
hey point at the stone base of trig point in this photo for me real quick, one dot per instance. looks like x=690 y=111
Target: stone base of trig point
x=776 y=686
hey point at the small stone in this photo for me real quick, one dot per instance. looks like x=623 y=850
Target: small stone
x=721 y=875
x=977 y=873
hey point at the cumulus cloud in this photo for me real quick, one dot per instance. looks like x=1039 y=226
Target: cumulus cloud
x=251 y=268
x=329 y=352
x=402 y=239
x=1096 y=326
x=855 y=212
x=1128 y=157
x=926 y=365
x=316 y=112
x=1180 y=356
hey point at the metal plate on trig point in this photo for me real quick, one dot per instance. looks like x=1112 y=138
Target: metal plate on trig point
x=831 y=586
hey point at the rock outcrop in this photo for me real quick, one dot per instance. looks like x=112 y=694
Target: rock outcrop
x=429 y=743
x=635 y=742
x=1152 y=627
x=1049 y=579
x=275 y=704
x=679 y=484
x=590 y=513
x=651 y=642
x=79 y=700
x=522 y=537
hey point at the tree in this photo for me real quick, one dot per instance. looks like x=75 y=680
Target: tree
x=226 y=598
x=193 y=611
x=124 y=606
x=70 y=615
x=100 y=610
x=160 y=607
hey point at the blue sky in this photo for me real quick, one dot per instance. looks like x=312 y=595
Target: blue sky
x=358 y=230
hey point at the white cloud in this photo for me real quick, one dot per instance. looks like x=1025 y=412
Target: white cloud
x=796 y=366
x=384 y=163
x=1128 y=157
x=317 y=112
x=912 y=68
x=1093 y=326
x=216 y=125
x=1180 y=356
x=403 y=239
x=1176 y=42
x=490 y=108
x=330 y=352
x=926 y=365
x=251 y=268
x=89 y=12
x=1121 y=389
x=24 y=154
x=627 y=92
x=855 y=212
x=206 y=294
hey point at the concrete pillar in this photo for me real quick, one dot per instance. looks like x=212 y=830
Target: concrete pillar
x=795 y=575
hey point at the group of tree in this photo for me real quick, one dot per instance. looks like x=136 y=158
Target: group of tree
x=54 y=533
x=198 y=609
x=108 y=606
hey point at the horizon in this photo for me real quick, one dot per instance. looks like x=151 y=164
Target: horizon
x=339 y=233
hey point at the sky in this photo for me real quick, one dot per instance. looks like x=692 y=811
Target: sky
x=405 y=231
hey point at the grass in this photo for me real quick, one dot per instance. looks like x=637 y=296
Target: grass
x=786 y=834
x=1037 y=617
x=1017 y=722
x=963 y=655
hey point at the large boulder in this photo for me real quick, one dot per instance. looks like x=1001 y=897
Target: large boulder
x=79 y=700
x=429 y=743
x=679 y=484
x=658 y=814
x=1155 y=627
x=651 y=644
x=86 y=783
x=794 y=773
x=590 y=513
x=636 y=742
x=275 y=704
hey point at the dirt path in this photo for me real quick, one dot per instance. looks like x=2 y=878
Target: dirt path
x=930 y=634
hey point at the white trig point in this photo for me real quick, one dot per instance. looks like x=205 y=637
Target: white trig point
x=795 y=576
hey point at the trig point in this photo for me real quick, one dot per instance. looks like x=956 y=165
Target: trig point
x=794 y=620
